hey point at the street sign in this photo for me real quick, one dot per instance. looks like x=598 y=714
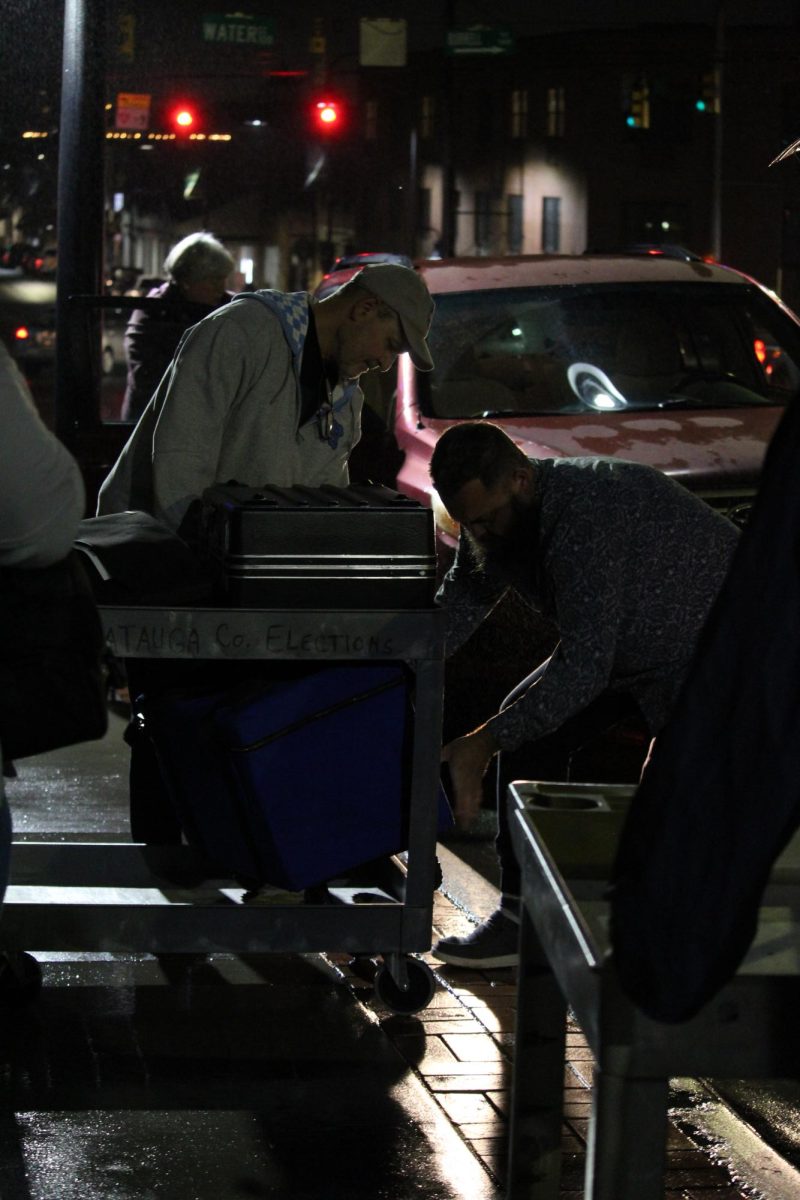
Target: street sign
x=238 y=29
x=480 y=39
x=133 y=110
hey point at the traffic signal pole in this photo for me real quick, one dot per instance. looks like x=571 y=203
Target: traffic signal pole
x=412 y=209
x=79 y=217
x=448 y=216
x=716 y=190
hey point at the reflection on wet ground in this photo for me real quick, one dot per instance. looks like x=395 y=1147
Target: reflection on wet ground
x=230 y=1077
x=258 y=1078
x=212 y=1076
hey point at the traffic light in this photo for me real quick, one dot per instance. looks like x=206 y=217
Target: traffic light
x=327 y=116
x=637 y=114
x=183 y=118
x=708 y=93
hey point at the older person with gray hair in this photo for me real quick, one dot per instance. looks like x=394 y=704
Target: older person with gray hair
x=197 y=268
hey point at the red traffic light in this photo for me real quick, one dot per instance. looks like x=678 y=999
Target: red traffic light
x=183 y=118
x=327 y=116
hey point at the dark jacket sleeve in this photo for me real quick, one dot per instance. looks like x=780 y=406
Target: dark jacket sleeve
x=587 y=596
x=467 y=595
x=149 y=347
x=151 y=339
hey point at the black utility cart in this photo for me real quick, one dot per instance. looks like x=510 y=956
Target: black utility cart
x=121 y=897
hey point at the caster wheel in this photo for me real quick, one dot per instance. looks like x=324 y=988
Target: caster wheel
x=421 y=987
x=20 y=978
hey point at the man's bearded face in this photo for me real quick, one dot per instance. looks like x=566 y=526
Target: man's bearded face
x=510 y=548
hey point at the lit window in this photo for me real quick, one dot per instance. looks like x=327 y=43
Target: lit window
x=519 y=113
x=555 y=112
x=514 y=218
x=551 y=224
x=483 y=221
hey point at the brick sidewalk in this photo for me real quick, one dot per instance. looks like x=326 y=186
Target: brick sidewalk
x=461 y=1047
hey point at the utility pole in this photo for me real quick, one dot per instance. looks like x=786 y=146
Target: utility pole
x=448 y=222
x=80 y=216
x=412 y=214
x=716 y=187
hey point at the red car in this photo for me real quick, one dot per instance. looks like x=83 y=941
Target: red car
x=683 y=365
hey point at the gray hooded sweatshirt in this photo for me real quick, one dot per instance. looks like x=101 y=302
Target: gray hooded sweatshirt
x=228 y=407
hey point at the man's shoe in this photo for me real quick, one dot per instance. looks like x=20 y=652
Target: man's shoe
x=495 y=943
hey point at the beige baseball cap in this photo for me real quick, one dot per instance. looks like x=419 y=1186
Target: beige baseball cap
x=403 y=290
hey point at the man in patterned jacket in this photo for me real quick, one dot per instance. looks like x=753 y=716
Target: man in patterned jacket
x=627 y=564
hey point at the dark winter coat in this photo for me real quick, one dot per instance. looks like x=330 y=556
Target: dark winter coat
x=721 y=796
x=151 y=339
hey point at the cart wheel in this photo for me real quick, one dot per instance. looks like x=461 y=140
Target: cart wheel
x=421 y=986
x=20 y=978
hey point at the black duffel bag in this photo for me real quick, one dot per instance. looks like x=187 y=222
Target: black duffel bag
x=133 y=558
x=52 y=681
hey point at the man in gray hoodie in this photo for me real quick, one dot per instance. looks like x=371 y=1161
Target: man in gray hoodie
x=265 y=390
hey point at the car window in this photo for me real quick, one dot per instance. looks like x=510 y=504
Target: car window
x=601 y=348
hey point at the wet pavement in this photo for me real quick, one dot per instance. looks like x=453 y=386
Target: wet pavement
x=213 y=1077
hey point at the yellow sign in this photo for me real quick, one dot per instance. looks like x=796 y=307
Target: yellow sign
x=133 y=110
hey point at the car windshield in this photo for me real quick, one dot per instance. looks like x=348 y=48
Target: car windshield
x=570 y=349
